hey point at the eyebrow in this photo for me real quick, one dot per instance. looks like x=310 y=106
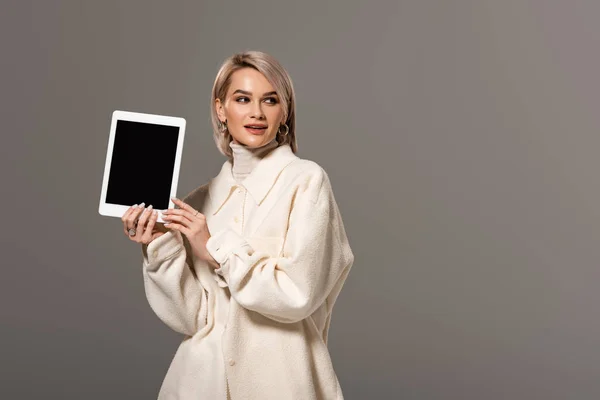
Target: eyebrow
x=250 y=93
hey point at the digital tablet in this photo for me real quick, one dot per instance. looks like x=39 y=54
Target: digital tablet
x=142 y=162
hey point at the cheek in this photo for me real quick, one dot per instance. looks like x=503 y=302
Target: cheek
x=274 y=115
x=236 y=113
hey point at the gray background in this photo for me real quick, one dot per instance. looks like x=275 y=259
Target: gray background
x=461 y=138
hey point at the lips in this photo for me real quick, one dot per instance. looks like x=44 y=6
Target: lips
x=256 y=129
x=256 y=126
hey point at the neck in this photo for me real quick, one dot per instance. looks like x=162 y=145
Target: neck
x=246 y=158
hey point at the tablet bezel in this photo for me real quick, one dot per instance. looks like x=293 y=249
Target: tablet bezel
x=116 y=210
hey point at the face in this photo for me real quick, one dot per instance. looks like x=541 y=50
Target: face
x=252 y=109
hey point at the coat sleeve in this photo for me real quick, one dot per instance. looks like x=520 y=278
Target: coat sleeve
x=315 y=258
x=172 y=288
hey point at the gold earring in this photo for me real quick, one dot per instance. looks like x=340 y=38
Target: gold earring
x=223 y=126
x=287 y=129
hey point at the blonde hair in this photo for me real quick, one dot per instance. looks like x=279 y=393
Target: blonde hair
x=275 y=74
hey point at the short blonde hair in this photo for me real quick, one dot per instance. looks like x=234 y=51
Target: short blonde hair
x=275 y=74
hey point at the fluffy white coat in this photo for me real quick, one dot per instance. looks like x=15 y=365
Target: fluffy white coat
x=257 y=327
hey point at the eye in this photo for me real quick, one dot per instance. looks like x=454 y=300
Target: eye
x=244 y=98
x=271 y=100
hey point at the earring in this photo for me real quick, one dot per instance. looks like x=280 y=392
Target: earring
x=287 y=129
x=223 y=126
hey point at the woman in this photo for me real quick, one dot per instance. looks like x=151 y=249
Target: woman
x=249 y=266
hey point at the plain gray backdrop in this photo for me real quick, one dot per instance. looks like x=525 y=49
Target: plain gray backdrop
x=461 y=139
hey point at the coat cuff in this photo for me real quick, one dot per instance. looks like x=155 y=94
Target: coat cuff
x=220 y=246
x=162 y=248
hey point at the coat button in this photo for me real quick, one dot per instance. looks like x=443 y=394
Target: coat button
x=231 y=362
x=236 y=219
x=155 y=253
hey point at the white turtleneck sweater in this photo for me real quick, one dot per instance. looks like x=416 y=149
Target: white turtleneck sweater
x=245 y=158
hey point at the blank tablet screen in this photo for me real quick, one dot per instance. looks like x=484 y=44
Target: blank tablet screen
x=142 y=164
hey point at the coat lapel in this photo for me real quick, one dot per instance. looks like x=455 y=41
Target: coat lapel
x=258 y=183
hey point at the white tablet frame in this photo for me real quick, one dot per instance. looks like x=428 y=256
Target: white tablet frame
x=115 y=210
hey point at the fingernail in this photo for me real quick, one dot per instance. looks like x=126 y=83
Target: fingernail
x=149 y=207
x=135 y=205
x=142 y=205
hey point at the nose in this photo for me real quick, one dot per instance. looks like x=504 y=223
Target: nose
x=257 y=111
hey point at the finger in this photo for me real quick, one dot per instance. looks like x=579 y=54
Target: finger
x=131 y=219
x=184 y=206
x=184 y=213
x=127 y=212
x=149 y=230
x=184 y=209
x=182 y=220
x=125 y=216
x=143 y=217
x=178 y=227
x=141 y=225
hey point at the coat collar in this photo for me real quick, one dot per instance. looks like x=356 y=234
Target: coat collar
x=258 y=183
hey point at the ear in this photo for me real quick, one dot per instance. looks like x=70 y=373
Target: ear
x=220 y=110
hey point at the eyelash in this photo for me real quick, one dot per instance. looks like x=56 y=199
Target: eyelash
x=274 y=100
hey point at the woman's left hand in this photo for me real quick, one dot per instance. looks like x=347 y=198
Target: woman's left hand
x=192 y=224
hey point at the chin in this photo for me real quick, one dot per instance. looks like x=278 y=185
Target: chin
x=253 y=141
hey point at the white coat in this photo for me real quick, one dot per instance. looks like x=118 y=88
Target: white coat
x=256 y=327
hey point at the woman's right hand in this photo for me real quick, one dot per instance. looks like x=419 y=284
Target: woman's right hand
x=145 y=225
